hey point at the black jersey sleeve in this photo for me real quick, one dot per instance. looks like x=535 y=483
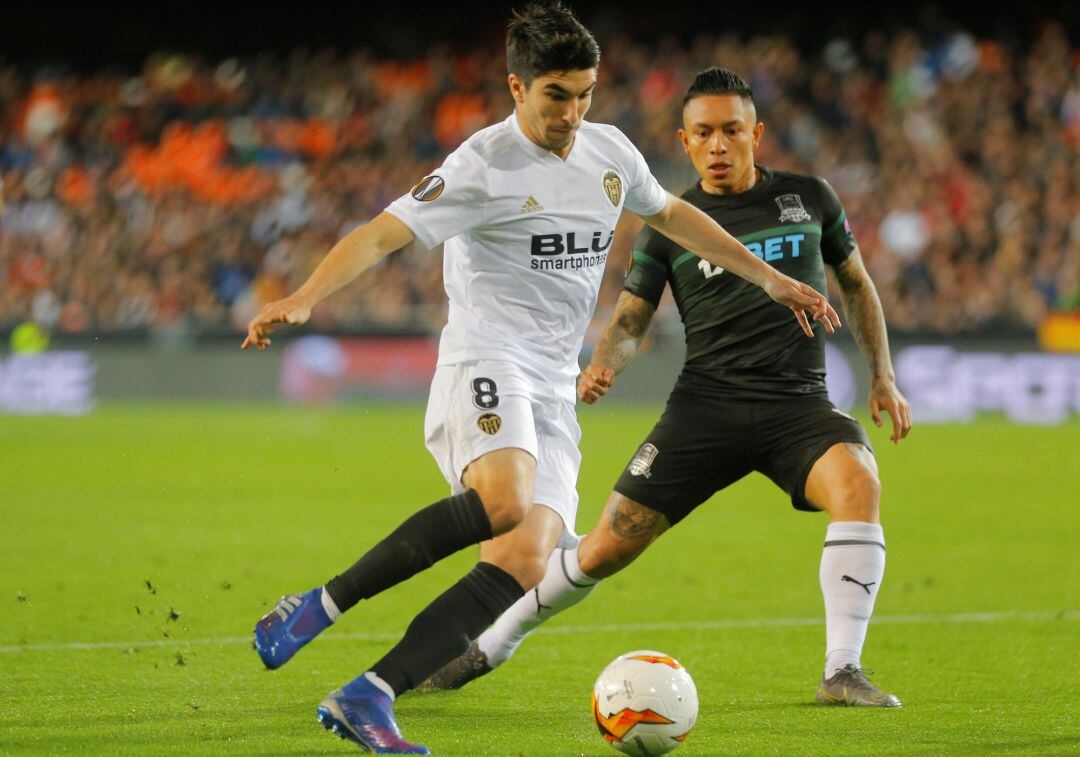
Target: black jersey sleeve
x=648 y=272
x=837 y=239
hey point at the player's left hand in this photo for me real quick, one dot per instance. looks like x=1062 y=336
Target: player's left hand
x=884 y=395
x=801 y=298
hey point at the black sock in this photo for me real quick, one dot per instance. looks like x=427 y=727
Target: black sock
x=445 y=628
x=421 y=541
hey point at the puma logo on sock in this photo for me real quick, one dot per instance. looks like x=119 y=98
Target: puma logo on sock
x=540 y=607
x=849 y=579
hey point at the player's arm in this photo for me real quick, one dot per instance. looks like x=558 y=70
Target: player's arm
x=866 y=319
x=616 y=347
x=694 y=231
x=358 y=251
x=626 y=231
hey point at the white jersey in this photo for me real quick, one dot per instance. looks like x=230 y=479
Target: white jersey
x=527 y=236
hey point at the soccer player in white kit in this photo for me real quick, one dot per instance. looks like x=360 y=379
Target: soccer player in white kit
x=527 y=210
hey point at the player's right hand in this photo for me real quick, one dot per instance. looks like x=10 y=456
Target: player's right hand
x=594 y=383
x=800 y=298
x=289 y=310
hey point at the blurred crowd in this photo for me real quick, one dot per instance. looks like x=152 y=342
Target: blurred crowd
x=184 y=196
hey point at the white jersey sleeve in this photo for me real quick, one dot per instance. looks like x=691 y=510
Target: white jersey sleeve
x=644 y=194
x=449 y=202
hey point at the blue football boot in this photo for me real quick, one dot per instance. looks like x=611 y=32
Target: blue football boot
x=363 y=714
x=293 y=622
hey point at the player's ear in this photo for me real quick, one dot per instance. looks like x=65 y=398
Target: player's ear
x=685 y=141
x=759 y=130
x=517 y=87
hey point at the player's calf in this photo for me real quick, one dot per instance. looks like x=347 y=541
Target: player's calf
x=563 y=586
x=844 y=482
x=426 y=537
x=524 y=551
x=625 y=530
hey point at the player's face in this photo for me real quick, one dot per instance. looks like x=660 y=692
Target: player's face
x=552 y=106
x=720 y=134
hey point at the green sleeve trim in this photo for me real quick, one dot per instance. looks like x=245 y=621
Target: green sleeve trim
x=648 y=260
x=836 y=225
x=797 y=228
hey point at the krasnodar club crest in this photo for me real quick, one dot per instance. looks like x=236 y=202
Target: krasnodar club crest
x=613 y=186
x=791 y=208
x=641 y=465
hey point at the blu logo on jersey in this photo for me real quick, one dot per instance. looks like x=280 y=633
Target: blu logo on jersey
x=548 y=251
x=557 y=244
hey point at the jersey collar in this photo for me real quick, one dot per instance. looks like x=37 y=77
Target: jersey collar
x=742 y=198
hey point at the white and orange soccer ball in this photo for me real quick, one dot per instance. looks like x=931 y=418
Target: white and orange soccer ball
x=645 y=703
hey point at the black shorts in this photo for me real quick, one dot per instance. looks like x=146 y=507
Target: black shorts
x=703 y=444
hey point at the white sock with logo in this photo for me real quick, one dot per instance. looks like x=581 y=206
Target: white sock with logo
x=563 y=586
x=852 y=566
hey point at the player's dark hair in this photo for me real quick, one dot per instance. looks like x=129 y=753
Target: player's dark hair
x=546 y=37
x=718 y=81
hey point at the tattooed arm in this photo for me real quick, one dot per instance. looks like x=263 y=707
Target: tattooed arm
x=617 y=346
x=862 y=309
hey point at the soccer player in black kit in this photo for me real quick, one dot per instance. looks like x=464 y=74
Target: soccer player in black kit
x=751 y=395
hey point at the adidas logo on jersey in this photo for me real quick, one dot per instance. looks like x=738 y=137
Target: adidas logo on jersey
x=531 y=206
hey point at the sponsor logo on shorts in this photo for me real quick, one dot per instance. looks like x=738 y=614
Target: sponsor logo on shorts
x=613 y=186
x=641 y=465
x=489 y=423
x=428 y=188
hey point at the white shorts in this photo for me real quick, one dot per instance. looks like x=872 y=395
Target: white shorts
x=481 y=406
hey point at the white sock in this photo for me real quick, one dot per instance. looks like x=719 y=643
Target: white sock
x=564 y=585
x=328 y=605
x=852 y=566
x=380 y=684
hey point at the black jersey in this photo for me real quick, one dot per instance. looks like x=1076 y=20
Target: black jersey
x=738 y=340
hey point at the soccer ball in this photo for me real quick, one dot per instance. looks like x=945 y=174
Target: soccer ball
x=645 y=703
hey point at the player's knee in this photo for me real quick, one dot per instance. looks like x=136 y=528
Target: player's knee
x=506 y=493
x=529 y=570
x=506 y=505
x=526 y=566
x=506 y=513
x=859 y=498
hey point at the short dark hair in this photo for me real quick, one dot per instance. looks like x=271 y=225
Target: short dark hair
x=544 y=37
x=718 y=81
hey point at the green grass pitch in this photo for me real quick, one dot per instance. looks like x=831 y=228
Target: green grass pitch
x=138 y=546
